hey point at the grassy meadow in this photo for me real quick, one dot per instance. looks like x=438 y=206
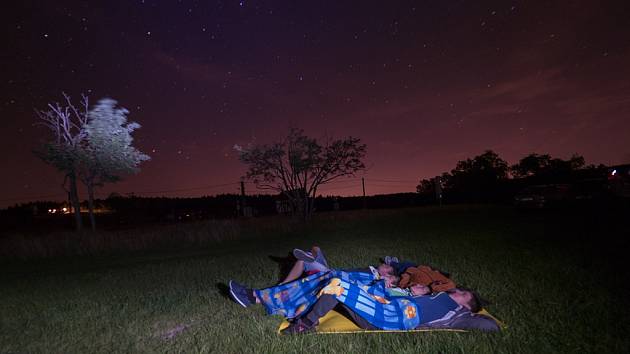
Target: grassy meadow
x=557 y=279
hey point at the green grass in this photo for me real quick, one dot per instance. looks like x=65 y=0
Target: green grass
x=553 y=279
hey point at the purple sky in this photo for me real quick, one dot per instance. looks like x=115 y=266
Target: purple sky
x=423 y=84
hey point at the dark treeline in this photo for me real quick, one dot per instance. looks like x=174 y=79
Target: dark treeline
x=121 y=212
x=486 y=178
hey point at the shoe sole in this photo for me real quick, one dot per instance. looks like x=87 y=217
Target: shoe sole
x=234 y=297
x=302 y=255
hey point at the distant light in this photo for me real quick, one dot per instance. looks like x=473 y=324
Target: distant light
x=614 y=172
x=64 y=209
x=50 y=210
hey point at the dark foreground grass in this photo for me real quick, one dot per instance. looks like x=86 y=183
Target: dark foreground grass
x=556 y=279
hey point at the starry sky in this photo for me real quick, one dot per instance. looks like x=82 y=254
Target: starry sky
x=423 y=83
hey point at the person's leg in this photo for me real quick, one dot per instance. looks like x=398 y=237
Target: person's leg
x=358 y=320
x=295 y=272
x=314 y=261
x=319 y=256
x=322 y=306
x=310 y=320
x=325 y=304
x=314 y=267
x=303 y=255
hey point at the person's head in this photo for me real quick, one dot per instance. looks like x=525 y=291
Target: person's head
x=391 y=280
x=385 y=269
x=419 y=289
x=467 y=298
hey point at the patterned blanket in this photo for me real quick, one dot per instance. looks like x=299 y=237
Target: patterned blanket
x=359 y=291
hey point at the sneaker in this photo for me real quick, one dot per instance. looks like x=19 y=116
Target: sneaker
x=319 y=255
x=303 y=255
x=297 y=327
x=389 y=260
x=241 y=294
x=375 y=272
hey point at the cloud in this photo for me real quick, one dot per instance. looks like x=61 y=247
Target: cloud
x=208 y=73
x=524 y=88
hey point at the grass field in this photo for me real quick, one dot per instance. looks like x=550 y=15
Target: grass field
x=557 y=279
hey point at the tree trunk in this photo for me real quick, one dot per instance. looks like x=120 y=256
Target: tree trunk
x=74 y=200
x=90 y=188
x=311 y=205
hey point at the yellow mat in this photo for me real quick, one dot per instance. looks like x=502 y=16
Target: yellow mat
x=333 y=322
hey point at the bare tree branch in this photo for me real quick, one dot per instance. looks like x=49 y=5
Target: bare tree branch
x=298 y=165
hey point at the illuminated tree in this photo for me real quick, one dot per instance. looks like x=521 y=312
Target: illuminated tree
x=108 y=143
x=298 y=165
x=93 y=146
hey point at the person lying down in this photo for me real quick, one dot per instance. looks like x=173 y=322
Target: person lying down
x=366 y=300
x=401 y=278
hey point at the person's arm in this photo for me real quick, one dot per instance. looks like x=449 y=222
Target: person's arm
x=396 y=291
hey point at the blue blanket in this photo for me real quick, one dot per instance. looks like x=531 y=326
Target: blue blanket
x=359 y=291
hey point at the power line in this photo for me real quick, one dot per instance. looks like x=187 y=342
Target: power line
x=189 y=189
x=338 y=187
x=394 y=180
x=336 y=184
x=388 y=185
x=340 y=180
x=34 y=198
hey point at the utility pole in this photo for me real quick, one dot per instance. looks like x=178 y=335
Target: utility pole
x=437 y=181
x=363 y=184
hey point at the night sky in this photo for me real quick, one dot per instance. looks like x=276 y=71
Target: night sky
x=423 y=83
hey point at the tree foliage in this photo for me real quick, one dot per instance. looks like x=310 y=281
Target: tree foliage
x=484 y=169
x=426 y=187
x=485 y=177
x=298 y=165
x=531 y=165
x=475 y=179
x=108 y=146
x=93 y=146
x=535 y=165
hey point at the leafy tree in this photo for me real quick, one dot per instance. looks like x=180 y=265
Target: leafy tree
x=298 y=165
x=93 y=146
x=431 y=189
x=477 y=178
x=531 y=165
x=426 y=187
x=563 y=166
x=546 y=167
x=110 y=153
x=65 y=151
